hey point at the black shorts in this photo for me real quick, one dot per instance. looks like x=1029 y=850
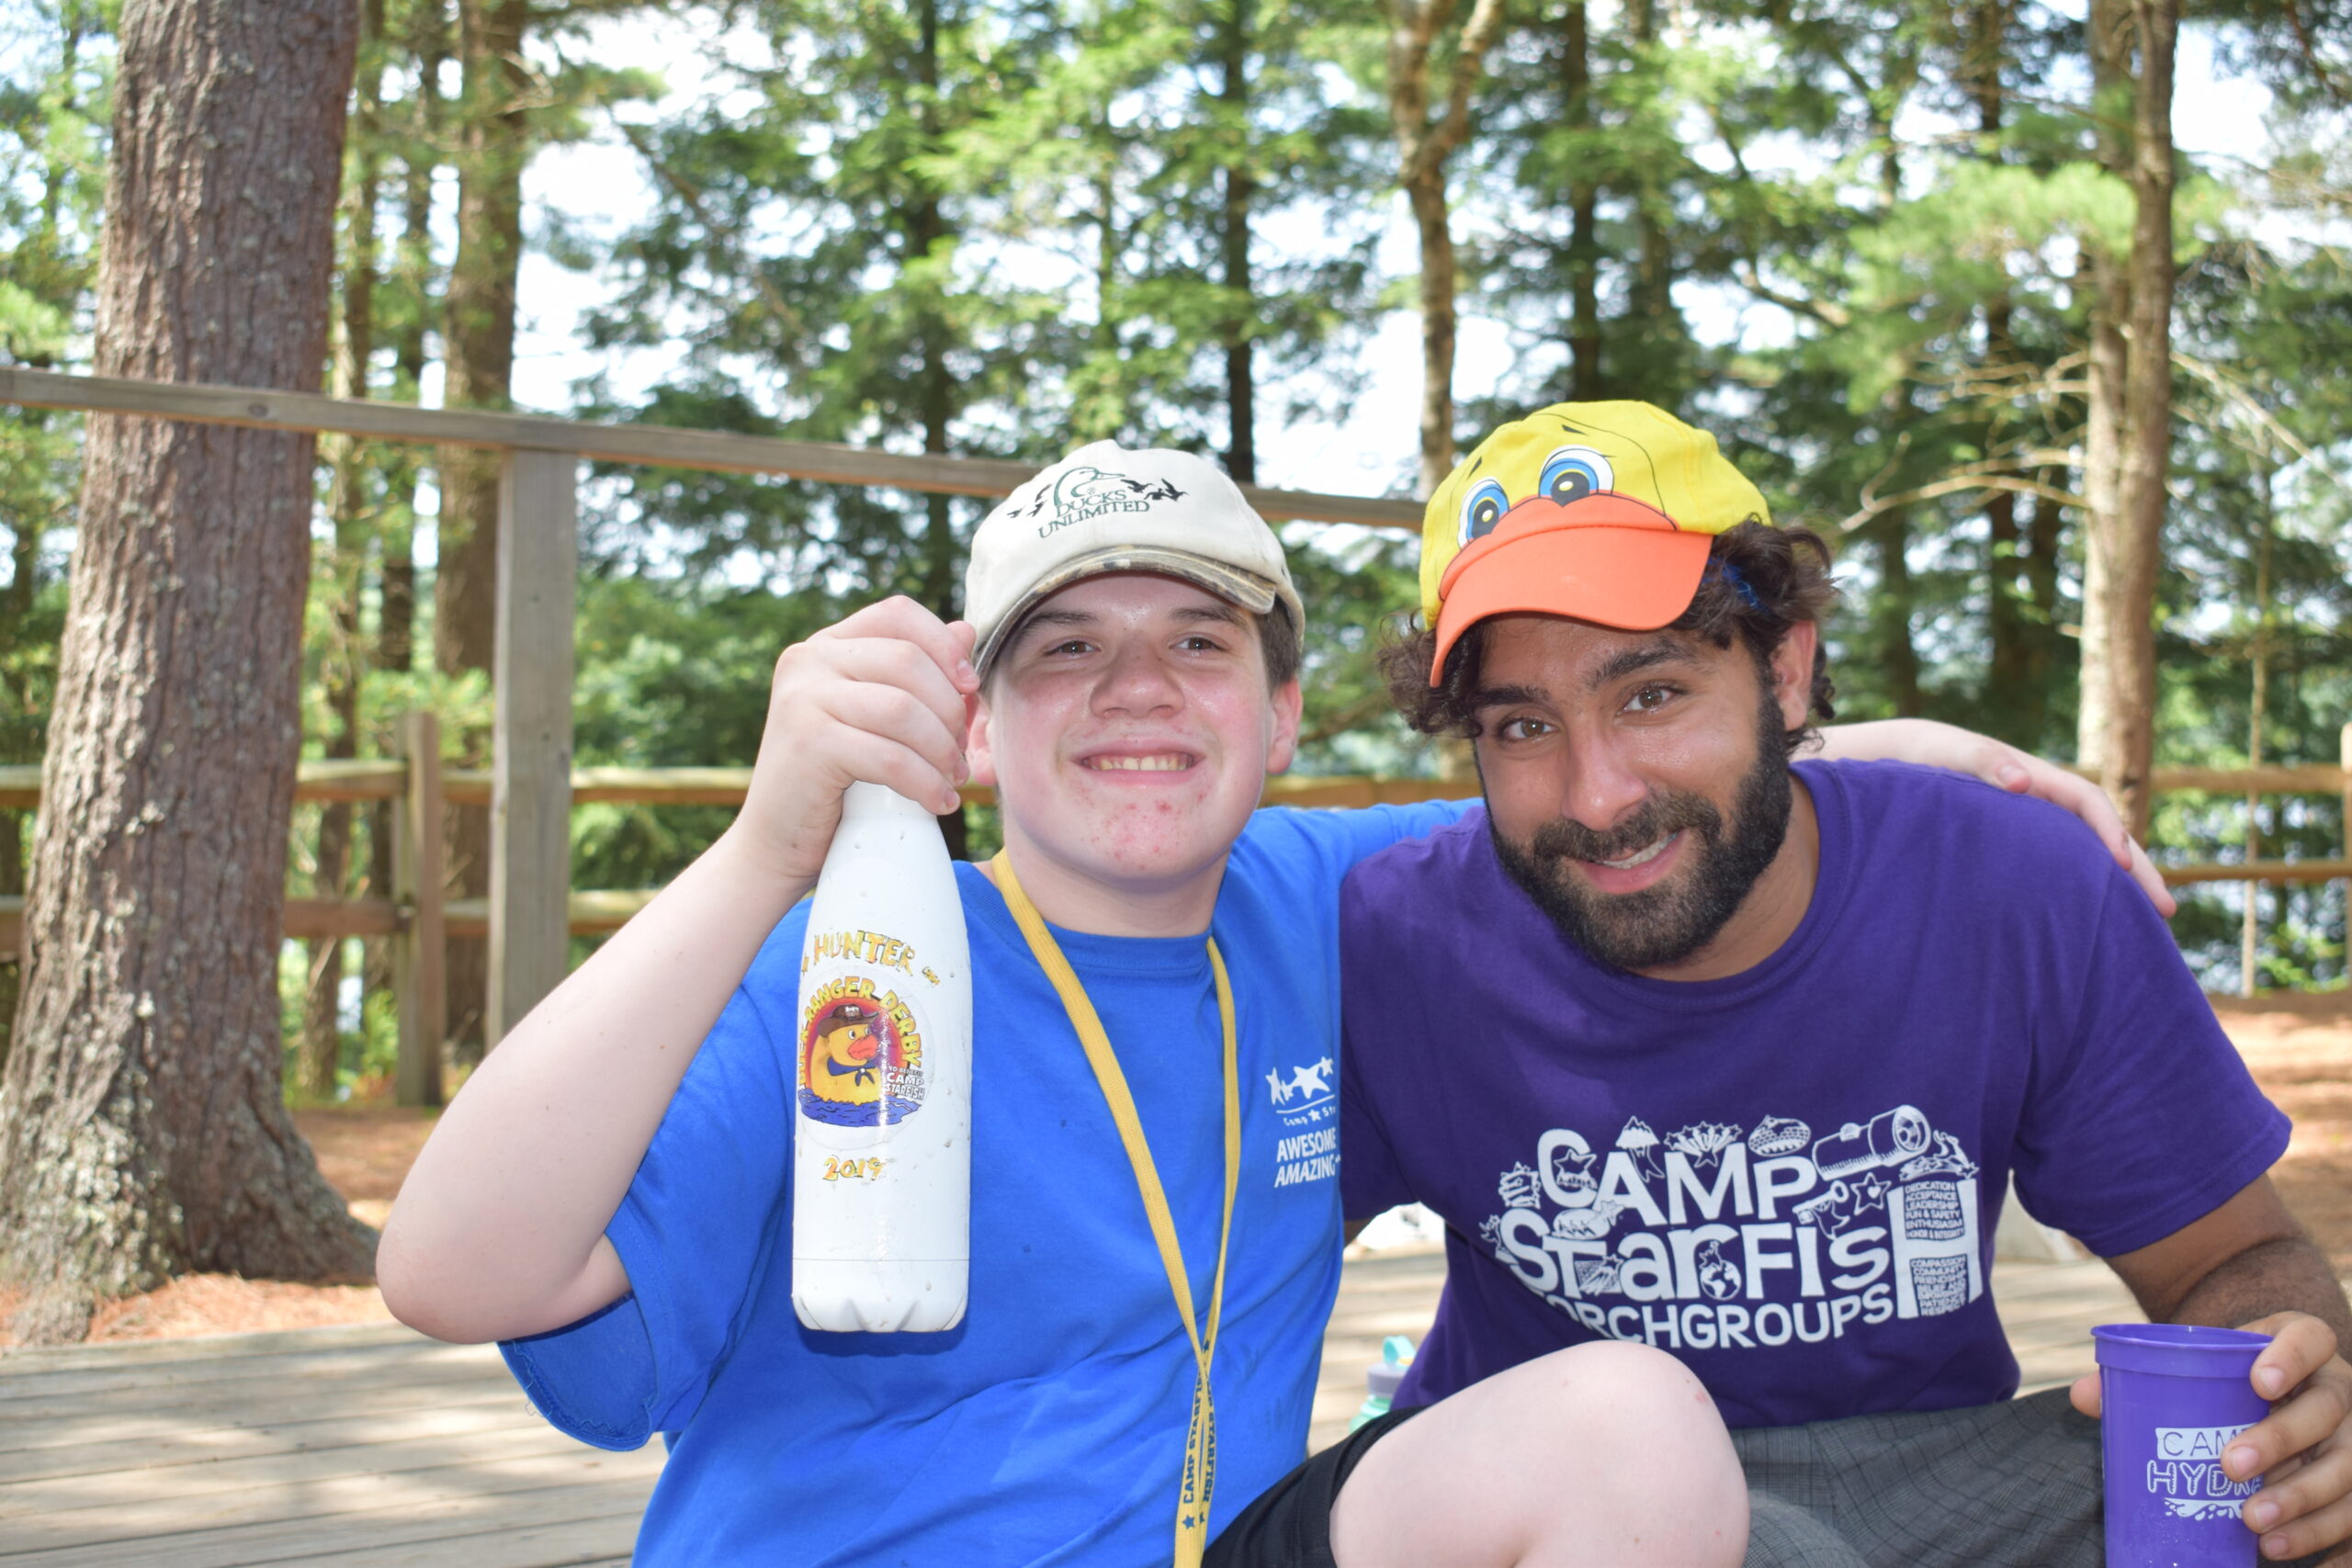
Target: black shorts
x=1289 y=1524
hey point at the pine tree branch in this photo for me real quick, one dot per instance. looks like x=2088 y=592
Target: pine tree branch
x=728 y=234
x=1972 y=478
x=1469 y=65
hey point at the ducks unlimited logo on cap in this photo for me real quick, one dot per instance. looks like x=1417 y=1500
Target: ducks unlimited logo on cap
x=1104 y=509
x=1603 y=512
x=1084 y=491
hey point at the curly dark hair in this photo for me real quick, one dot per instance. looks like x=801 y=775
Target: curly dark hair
x=1785 y=572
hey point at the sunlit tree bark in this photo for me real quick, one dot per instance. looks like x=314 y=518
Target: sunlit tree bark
x=142 y=1127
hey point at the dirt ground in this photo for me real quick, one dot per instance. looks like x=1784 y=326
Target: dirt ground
x=366 y=1152
x=2299 y=1047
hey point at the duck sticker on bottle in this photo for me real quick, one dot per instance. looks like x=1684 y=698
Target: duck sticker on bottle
x=861 y=1055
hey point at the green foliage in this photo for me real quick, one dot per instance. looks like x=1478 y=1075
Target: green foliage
x=54 y=91
x=1359 y=586
x=1852 y=239
x=673 y=673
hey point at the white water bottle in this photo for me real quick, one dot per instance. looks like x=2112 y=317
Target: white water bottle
x=882 y=1146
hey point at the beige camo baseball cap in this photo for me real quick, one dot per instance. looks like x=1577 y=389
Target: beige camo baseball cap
x=1105 y=508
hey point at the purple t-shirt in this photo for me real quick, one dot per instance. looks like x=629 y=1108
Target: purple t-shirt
x=1788 y=1178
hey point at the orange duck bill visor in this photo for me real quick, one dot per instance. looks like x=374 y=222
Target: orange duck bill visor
x=1606 y=559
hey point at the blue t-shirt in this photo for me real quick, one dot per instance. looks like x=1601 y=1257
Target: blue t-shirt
x=1048 y=1428
x=1788 y=1178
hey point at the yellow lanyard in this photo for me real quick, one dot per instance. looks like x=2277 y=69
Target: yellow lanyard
x=1200 y=1435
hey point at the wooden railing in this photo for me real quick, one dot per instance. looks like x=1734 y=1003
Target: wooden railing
x=531 y=785
x=530 y=907
x=595 y=912
x=417 y=915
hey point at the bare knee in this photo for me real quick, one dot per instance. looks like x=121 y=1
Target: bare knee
x=1602 y=1453
x=1629 y=1389
x=1675 y=1492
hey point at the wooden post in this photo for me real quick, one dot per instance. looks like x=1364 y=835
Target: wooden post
x=420 y=986
x=530 y=791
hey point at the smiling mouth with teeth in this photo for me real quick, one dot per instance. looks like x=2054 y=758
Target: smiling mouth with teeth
x=1166 y=762
x=1641 y=857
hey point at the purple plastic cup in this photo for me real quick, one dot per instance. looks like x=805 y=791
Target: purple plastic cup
x=2174 y=1396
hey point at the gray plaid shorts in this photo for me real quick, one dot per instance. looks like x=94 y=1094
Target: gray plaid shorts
x=2008 y=1486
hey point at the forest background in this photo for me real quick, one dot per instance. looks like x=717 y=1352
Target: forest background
x=1327 y=245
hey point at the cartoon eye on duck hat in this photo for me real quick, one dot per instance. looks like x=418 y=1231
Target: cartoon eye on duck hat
x=1603 y=512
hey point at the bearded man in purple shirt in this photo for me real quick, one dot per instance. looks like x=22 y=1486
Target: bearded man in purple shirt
x=1696 y=1047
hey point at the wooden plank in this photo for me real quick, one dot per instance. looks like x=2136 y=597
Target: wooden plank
x=715 y=451
x=573 y=1541
x=420 y=958
x=317 y=778
x=164 y=1488
x=209 y=1347
x=223 y=1419
x=726 y=786
x=597 y=911
x=1358 y=792
x=660 y=786
x=188 y=1443
x=54 y=1421
x=446 y=1522
x=530 y=803
x=2258 y=870
x=2291 y=778
x=361 y=778
x=372 y=780
x=325 y=1497
x=341 y=917
x=417 y=1357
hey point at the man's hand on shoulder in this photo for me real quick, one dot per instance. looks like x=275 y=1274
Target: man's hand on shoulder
x=883 y=697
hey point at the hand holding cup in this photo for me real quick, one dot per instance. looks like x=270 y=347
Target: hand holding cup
x=2287 y=1429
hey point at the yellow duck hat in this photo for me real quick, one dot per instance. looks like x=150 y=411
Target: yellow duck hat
x=1602 y=512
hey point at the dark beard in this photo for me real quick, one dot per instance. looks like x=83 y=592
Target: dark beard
x=1666 y=923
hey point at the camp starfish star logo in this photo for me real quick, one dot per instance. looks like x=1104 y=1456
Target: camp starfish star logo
x=1083 y=492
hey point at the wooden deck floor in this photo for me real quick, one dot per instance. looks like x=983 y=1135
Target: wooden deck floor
x=372 y=1447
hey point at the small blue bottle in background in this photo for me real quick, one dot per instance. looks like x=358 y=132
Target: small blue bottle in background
x=1382 y=1377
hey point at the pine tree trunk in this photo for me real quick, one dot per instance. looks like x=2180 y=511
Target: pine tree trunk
x=479 y=362
x=1423 y=146
x=143 y=1131
x=1897 y=657
x=16 y=611
x=321 y=1050
x=2008 y=678
x=2129 y=443
x=1585 y=381
x=1241 y=373
x=396 y=616
x=1433 y=221
x=1653 y=283
x=942 y=578
x=2257 y=712
x=2009 y=674
x=1098 y=408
